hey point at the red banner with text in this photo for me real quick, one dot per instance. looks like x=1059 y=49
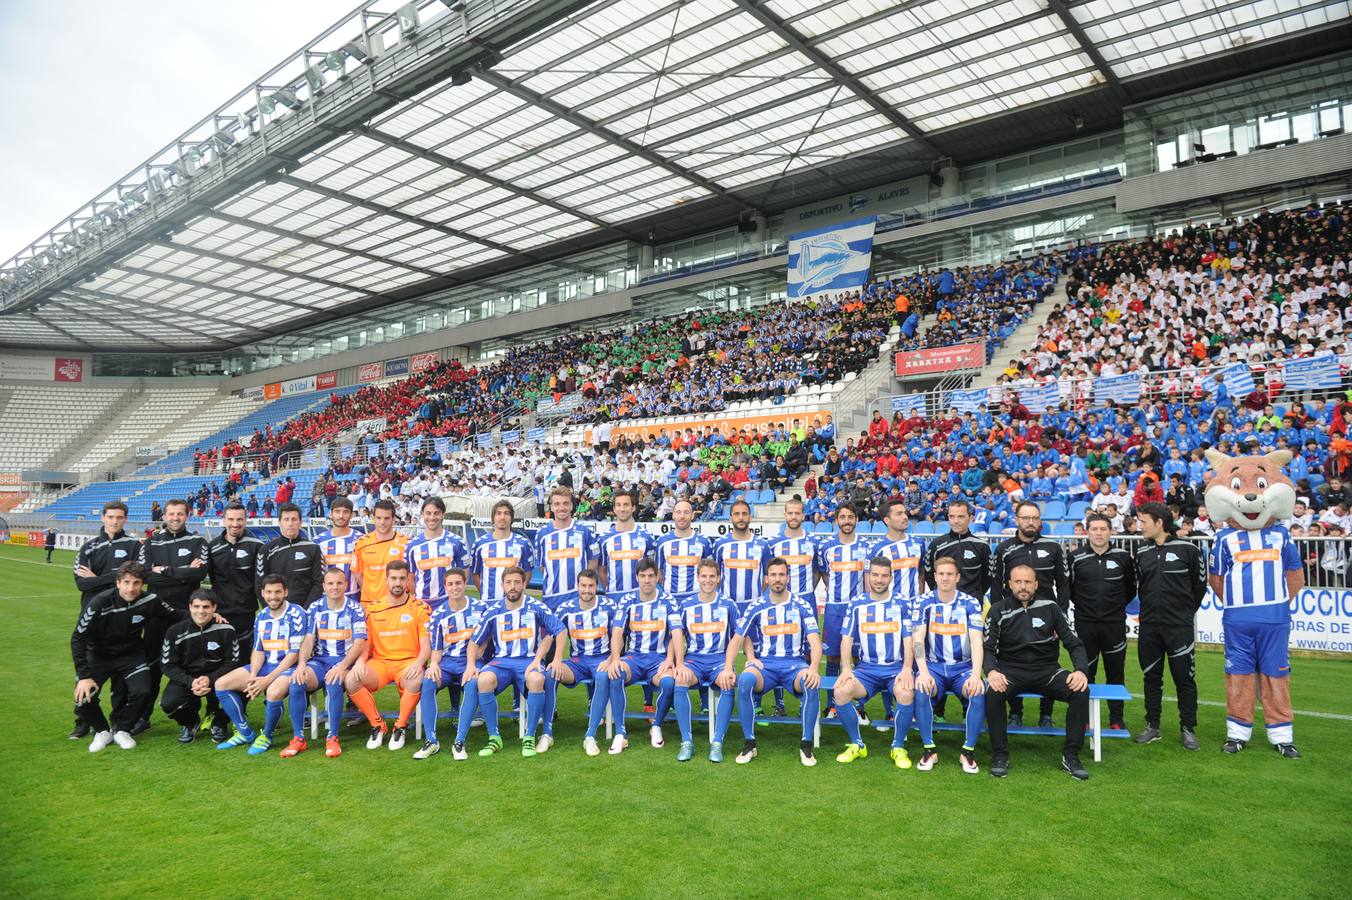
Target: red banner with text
x=941 y=359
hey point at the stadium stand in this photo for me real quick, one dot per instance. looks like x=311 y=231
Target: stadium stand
x=149 y=415
x=39 y=423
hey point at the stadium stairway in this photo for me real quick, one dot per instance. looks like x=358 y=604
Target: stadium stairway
x=854 y=400
x=1024 y=337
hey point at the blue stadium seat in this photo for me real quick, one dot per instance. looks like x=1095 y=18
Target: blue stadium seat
x=1055 y=510
x=1077 y=510
x=1063 y=529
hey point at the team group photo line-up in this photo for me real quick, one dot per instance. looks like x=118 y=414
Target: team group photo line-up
x=348 y=614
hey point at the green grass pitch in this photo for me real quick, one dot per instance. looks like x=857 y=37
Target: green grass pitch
x=174 y=821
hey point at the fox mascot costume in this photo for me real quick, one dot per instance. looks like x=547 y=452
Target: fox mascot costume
x=1255 y=571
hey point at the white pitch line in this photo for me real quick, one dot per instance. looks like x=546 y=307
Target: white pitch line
x=34 y=562
x=1300 y=712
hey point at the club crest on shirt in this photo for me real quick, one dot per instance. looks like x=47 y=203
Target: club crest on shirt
x=1038 y=623
x=118 y=554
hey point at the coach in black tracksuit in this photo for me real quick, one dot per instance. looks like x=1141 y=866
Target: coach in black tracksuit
x=109 y=644
x=1024 y=636
x=1171 y=579
x=196 y=652
x=232 y=564
x=973 y=556
x=1048 y=559
x=1102 y=583
x=95 y=571
x=293 y=556
x=176 y=562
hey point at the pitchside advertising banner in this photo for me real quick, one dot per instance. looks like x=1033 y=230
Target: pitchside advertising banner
x=831 y=259
x=940 y=359
x=42 y=368
x=1321 y=620
x=707 y=529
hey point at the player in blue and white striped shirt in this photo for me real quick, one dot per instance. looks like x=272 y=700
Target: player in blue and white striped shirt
x=783 y=649
x=449 y=630
x=338 y=544
x=650 y=619
x=622 y=547
x=876 y=629
x=842 y=559
x=432 y=554
x=709 y=620
x=947 y=628
x=742 y=556
x=679 y=552
x=563 y=549
x=334 y=639
x=590 y=623
x=517 y=631
x=279 y=630
x=799 y=550
x=907 y=555
x=498 y=551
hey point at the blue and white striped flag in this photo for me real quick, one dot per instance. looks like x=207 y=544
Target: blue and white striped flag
x=1312 y=372
x=310 y=457
x=536 y=435
x=392 y=447
x=829 y=259
x=484 y=440
x=415 y=444
x=1238 y=379
x=442 y=445
x=1118 y=388
x=911 y=404
x=1042 y=397
x=974 y=400
x=348 y=452
x=510 y=437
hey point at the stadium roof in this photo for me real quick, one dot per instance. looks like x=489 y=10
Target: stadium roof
x=418 y=146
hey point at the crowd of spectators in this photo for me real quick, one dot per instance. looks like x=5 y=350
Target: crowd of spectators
x=1259 y=290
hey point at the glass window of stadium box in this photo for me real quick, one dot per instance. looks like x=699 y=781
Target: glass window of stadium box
x=1296 y=104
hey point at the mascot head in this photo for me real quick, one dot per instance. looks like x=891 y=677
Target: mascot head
x=1249 y=492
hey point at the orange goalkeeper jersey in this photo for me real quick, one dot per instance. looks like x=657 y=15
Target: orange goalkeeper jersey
x=370 y=556
x=395 y=632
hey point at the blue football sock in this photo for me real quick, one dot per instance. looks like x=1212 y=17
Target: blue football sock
x=704 y=696
x=427 y=705
x=901 y=725
x=850 y=719
x=647 y=694
x=232 y=702
x=812 y=702
x=833 y=666
x=924 y=718
x=665 y=690
x=296 y=700
x=746 y=704
x=274 y=715
x=976 y=717
x=779 y=697
x=619 y=703
x=469 y=703
x=333 y=705
x=683 y=712
x=551 y=702
x=488 y=708
x=723 y=715
x=888 y=702
x=600 y=699
x=535 y=705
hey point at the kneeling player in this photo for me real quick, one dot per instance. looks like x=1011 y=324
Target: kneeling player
x=875 y=626
x=651 y=618
x=709 y=620
x=589 y=622
x=452 y=625
x=397 y=649
x=335 y=640
x=518 y=631
x=278 y=632
x=781 y=631
x=947 y=630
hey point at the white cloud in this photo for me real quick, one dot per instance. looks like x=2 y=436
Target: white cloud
x=92 y=89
